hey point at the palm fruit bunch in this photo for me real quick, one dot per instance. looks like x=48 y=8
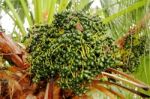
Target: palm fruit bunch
x=73 y=50
x=134 y=47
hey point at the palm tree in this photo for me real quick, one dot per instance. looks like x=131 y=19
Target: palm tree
x=43 y=13
x=133 y=11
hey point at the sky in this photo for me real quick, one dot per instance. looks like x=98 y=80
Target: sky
x=7 y=23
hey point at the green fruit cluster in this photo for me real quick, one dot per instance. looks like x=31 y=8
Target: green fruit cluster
x=74 y=56
x=73 y=50
x=133 y=49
